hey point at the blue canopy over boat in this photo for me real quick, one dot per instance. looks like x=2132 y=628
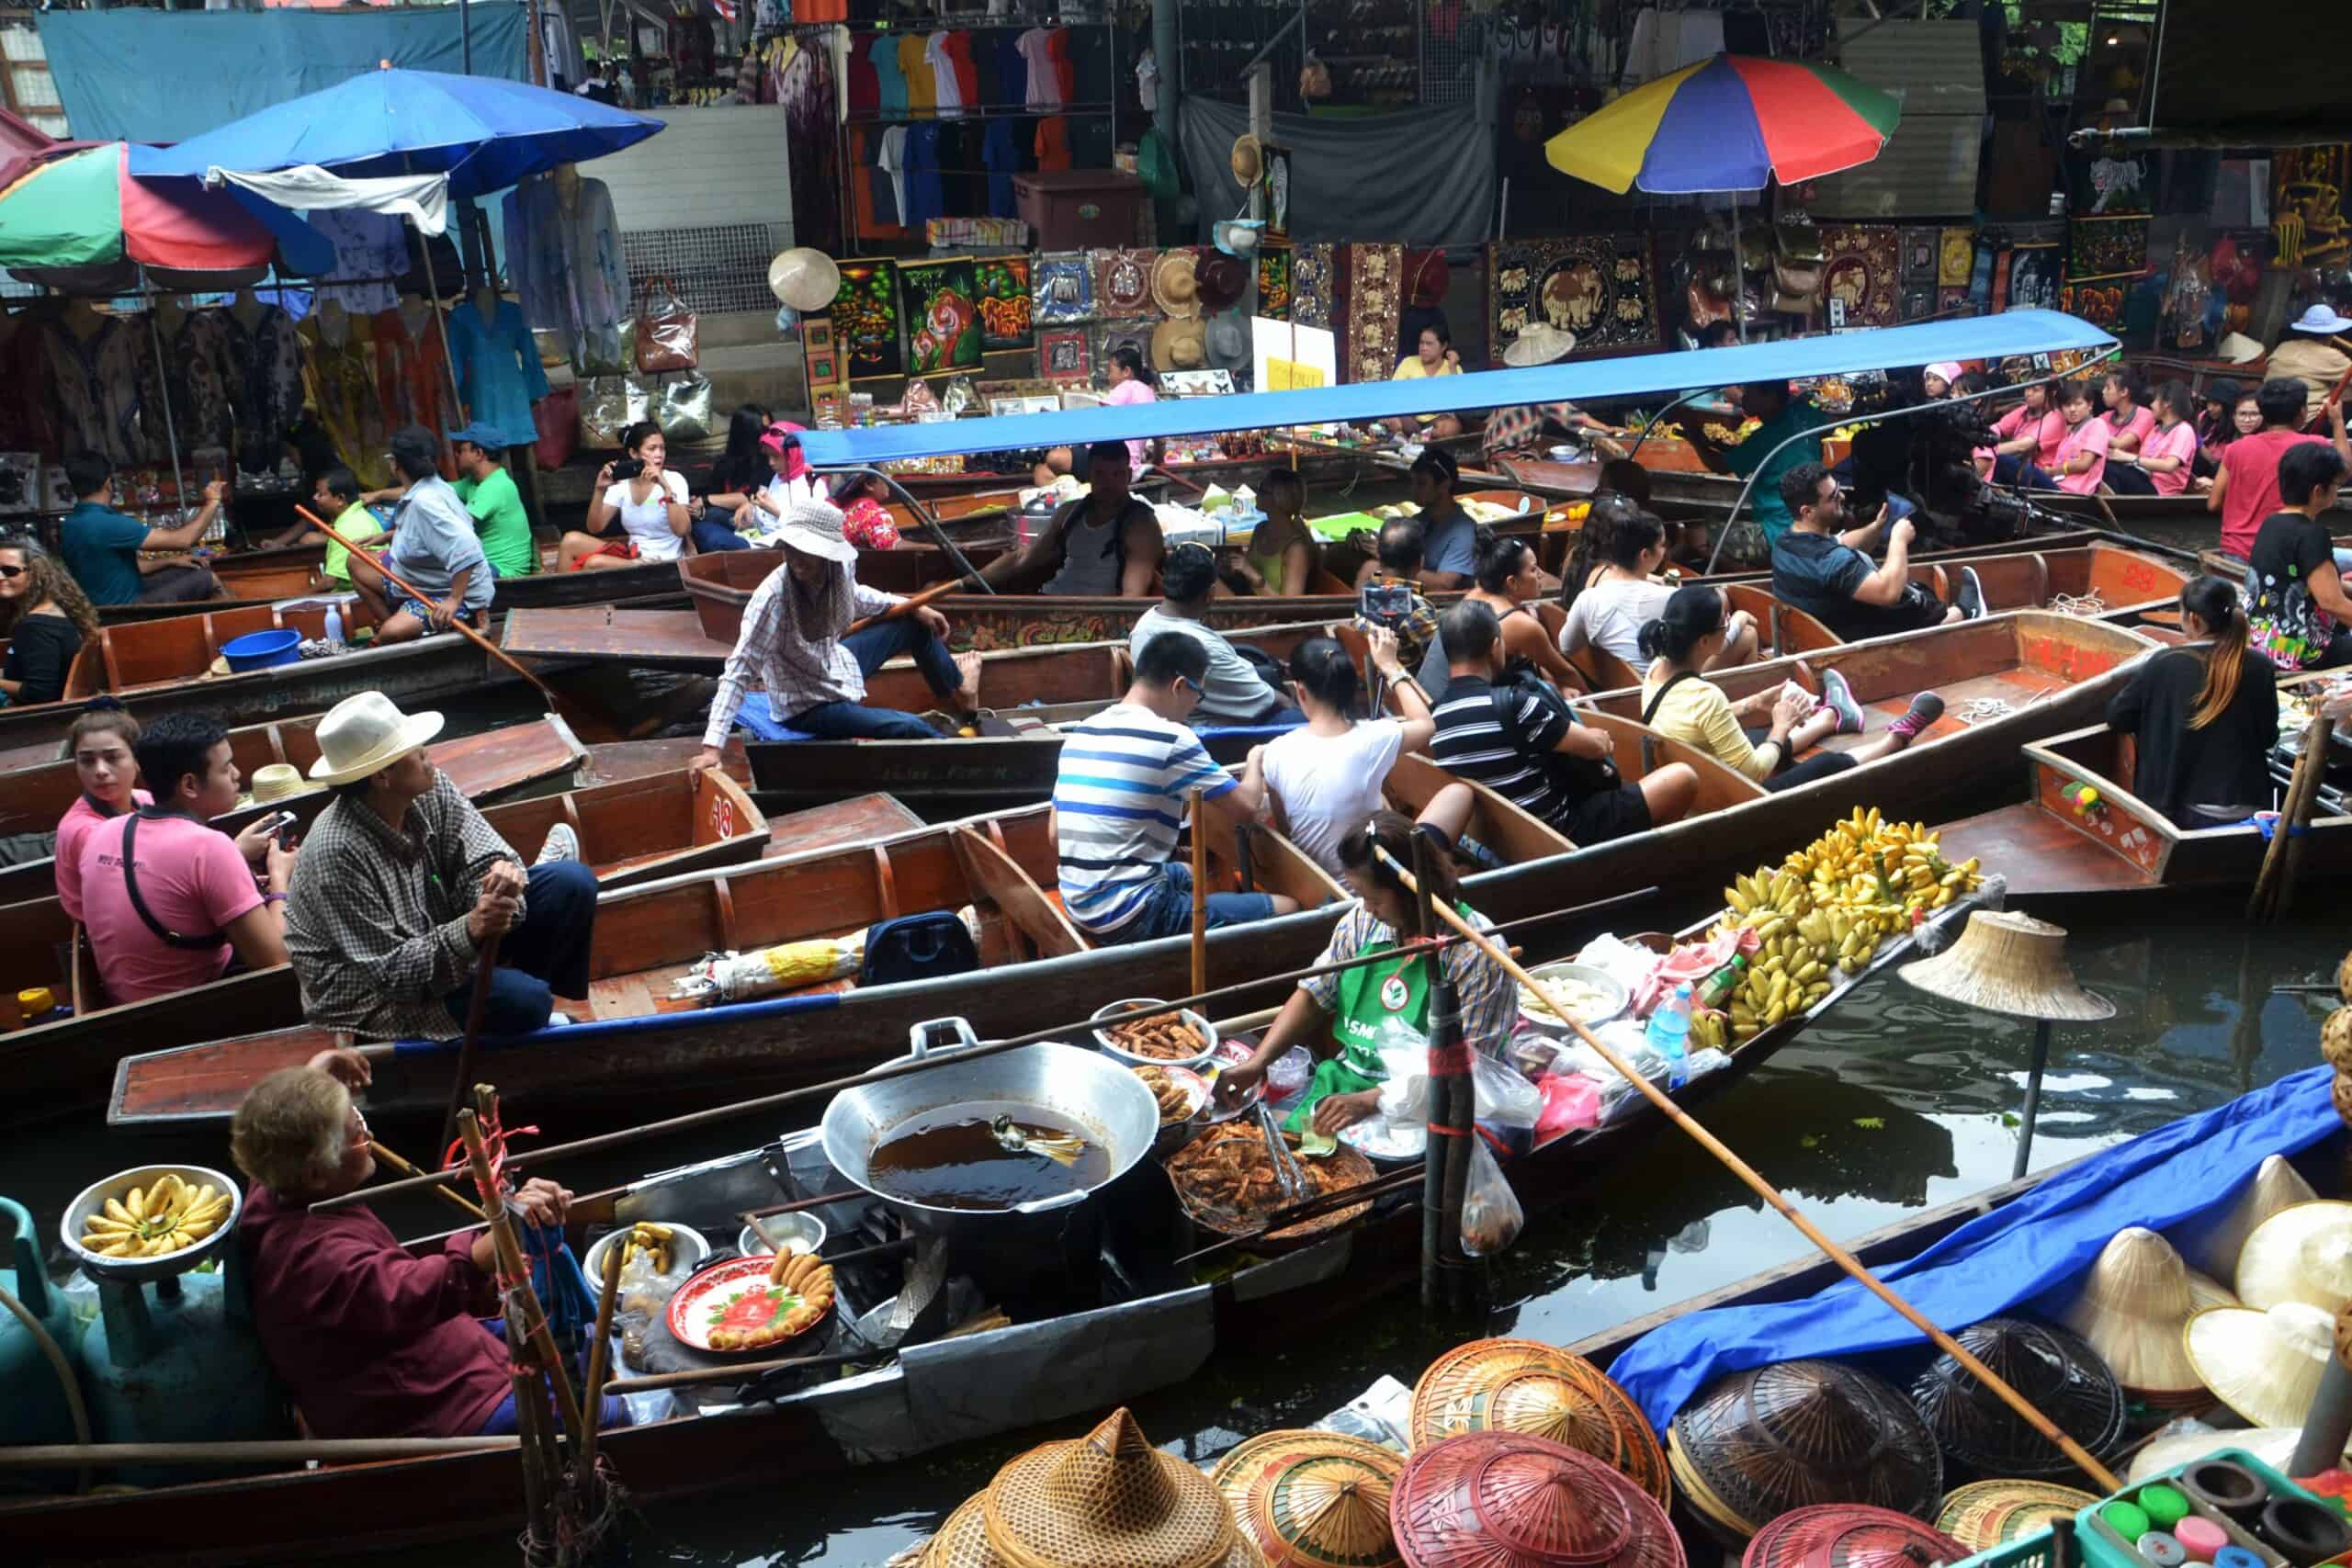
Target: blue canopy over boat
x=1840 y=354
x=2038 y=1247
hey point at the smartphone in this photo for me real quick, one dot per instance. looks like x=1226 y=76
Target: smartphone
x=281 y=828
x=1385 y=605
x=628 y=467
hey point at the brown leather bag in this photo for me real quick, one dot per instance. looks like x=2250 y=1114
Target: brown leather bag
x=665 y=329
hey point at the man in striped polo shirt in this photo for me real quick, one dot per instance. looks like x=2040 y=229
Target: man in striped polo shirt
x=1127 y=776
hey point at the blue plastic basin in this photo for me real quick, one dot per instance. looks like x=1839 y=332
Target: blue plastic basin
x=259 y=650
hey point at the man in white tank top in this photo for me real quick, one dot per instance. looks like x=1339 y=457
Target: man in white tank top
x=1106 y=543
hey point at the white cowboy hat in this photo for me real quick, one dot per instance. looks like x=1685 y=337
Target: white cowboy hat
x=804 y=279
x=366 y=734
x=1540 y=343
x=817 y=528
x=2320 y=319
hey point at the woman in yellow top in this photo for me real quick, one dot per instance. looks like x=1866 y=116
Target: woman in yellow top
x=1433 y=355
x=1681 y=704
x=1281 y=556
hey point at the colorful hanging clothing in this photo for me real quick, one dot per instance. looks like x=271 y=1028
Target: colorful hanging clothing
x=156 y=420
x=28 y=421
x=498 y=369
x=269 y=368
x=368 y=246
x=339 y=373
x=567 y=266
x=204 y=380
x=98 y=387
x=811 y=105
x=411 y=373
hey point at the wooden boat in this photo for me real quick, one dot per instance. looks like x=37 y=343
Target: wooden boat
x=1160 y=1331
x=1314 y=459
x=495 y=764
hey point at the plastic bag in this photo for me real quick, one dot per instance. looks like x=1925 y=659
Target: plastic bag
x=1503 y=1094
x=609 y=405
x=1491 y=1217
x=1570 y=1101
x=682 y=407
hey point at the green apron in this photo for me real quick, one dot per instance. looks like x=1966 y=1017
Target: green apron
x=1384 y=1004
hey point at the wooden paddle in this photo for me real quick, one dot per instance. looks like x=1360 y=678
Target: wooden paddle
x=477 y=1006
x=1674 y=1112
x=908 y=605
x=1200 y=893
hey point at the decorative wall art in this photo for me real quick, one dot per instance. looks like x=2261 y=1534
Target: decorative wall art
x=1376 y=297
x=1122 y=282
x=1922 y=254
x=1953 y=298
x=1955 y=257
x=940 y=303
x=1596 y=286
x=2100 y=304
x=821 y=354
x=1862 y=271
x=1313 y=286
x=865 y=319
x=1274 y=282
x=2099 y=248
x=1918 y=301
x=1064 y=354
x=1007 y=311
x=1061 y=285
x=1135 y=334
x=2035 y=272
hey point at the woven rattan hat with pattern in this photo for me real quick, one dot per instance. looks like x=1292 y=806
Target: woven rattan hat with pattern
x=1510 y=1500
x=2131 y=1308
x=963 y=1542
x=1789 y=1435
x=1717 y=1515
x=2009 y=962
x=1524 y=1385
x=2060 y=1373
x=1985 y=1514
x=2214 y=1248
x=1313 y=1499
x=1849 y=1535
x=1109 y=1500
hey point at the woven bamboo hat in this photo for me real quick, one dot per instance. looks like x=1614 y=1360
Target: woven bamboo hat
x=2214 y=1249
x=2132 y=1309
x=2009 y=962
x=2301 y=1253
x=1986 y=1514
x=2061 y=1374
x=1539 y=343
x=1850 y=1535
x=1175 y=283
x=1524 y=1385
x=274 y=782
x=1313 y=1499
x=1110 y=1500
x=1721 y=1518
x=1789 y=1435
x=2264 y=1365
x=1179 y=344
x=1248 y=160
x=1510 y=1500
x=804 y=279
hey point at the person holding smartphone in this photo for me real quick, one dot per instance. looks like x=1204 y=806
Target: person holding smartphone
x=649 y=502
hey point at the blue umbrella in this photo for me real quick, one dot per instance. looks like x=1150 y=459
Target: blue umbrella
x=484 y=132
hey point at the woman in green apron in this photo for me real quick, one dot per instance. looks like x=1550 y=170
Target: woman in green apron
x=1373 y=1007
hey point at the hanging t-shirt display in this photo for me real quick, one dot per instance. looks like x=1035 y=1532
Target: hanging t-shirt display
x=498 y=370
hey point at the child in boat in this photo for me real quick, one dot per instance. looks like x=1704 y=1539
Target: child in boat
x=370 y=1339
x=1681 y=704
x=2205 y=716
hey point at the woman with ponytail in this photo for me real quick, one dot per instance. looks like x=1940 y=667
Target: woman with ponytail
x=1762 y=735
x=1323 y=778
x=2206 y=716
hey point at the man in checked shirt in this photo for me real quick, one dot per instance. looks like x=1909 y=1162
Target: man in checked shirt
x=795 y=640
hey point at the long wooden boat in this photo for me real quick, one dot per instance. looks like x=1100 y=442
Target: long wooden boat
x=1158 y=1330
x=1314 y=459
x=251 y=580
x=495 y=764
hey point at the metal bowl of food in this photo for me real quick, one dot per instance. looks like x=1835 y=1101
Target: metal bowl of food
x=1183 y=1095
x=1153 y=1042
x=122 y=1228
x=686 y=1249
x=1594 y=997
x=800 y=1231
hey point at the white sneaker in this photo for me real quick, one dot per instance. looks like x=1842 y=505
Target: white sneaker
x=557 y=1019
x=564 y=843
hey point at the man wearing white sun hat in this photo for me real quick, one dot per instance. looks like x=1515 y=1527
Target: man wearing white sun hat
x=402 y=880
x=2312 y=354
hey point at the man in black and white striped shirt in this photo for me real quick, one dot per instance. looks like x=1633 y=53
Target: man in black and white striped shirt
x=1531 y=752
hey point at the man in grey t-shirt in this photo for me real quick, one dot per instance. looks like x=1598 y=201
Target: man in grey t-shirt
x=1233 y=692
x=434 y=550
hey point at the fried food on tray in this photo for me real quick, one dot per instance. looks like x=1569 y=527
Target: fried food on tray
x=1162 y=1039
x=1175 y=1100
x=1227 y=1178
x=799 y=1291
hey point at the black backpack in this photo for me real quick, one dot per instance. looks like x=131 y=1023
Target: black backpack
x=917 y=947
x=1575 y=777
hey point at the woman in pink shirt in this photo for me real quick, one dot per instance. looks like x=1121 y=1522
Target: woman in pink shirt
x=2161 y=464
x=2130 y=421
x=1128 y=386
x=2026 y=442
x=101 y=742
x=2082 y=455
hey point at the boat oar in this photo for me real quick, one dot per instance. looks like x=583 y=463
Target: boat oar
x=908 y=605
x=1200 y=893
x=409 y=1168
x=477 y=1006
x=2274 y=885
x=2074 y=1451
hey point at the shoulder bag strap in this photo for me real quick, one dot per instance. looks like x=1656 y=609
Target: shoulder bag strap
x=1649 y=710
x=163 y=933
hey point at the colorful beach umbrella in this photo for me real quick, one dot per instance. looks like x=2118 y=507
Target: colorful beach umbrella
x=1731 y=123
x=84 y=207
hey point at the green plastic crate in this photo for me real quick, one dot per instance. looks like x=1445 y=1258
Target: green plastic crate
x=2096 y=1543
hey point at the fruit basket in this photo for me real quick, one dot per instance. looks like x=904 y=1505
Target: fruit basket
x=105 y=1210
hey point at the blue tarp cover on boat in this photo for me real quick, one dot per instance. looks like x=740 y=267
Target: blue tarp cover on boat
x=2041 y=1243
x=1841 y=354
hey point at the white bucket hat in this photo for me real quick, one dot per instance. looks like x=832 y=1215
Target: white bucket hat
x=2322 y=318
x=366 y=734
x=817 y=528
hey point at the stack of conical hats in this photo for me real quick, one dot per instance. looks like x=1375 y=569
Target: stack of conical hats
x=1524 y=1385
x=2132 y=1306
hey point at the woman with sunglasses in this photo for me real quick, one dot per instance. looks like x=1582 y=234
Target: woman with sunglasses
x=46 y=618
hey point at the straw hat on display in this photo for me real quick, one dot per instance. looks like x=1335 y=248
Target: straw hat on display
x=1180 y=345
x=1539 y=344
x=2236 y=348
x=2013 y=963
x=2302 y=1254
x=2131 y=1308
x=2214 y=1246
x=817 y=528
x=1313 y=1499
x=1850 y=1535
x=1222 y=280
x=1247 y=160
x=2264 y=1365
x=804 y=279
x=274 y=782
x=1110 y=1497
x=1512 y=1500
x=2274 y=1446
x=1524 y=1385
x=366 y=734
x=1985 y=1514
x=1175 y=284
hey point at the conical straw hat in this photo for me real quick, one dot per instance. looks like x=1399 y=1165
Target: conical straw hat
x=1109 y=1500
x=2009 y=962
x=2204 y=1291
x=2274 y=1446
x=1526 y=1385
x=2131 y=1308
x=1313 y=1499
x=2302 y=1254
x=1985 y=1514
x=2264 y=1365
x=1717 y=1515
x=2214 y=1246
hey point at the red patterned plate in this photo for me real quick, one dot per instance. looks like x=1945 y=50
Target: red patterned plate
x=733 y=1296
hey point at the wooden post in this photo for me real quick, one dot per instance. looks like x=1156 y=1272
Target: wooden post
x=1200 y=892
x=477 y=1007
x=1435 y=1232
x=538 y=1455
x=591 y=1403
x=2275 y=886
x=514 y=1266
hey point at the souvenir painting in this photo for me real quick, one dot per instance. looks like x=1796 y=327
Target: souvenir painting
x=2103 y=182
x=2106 y=247
x=1312 y=287
x=1065 y=355
x=1061 y=287
x=1375 y=301
x=1953 y=300
x=865 y=319
x=1007 y=312
x=1918 y=301
x=940 y=301
x=1122 y=282
x=1862 y=271
x=1596 y=286
x=1110 y=336
x=1274 y=282
x=2307 y=216
x=2100 y=304
x=2035 y=272
x=1922 y=254
x=1955 y=257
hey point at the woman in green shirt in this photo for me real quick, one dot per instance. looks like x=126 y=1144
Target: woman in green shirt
x=1281 y=556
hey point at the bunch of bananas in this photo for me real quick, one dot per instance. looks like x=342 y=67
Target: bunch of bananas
x=1830 y=905
x=164 y=1216
x=652 y=1241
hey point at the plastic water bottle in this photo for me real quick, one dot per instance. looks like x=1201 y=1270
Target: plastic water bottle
x=335 y=626
x=1669 y=1034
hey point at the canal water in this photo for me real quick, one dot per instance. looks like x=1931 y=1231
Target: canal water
x=1895 y=1102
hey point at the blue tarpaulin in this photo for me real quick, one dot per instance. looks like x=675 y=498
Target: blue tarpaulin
x=147 y=75
x=2037 y=1246
x=1841 y=354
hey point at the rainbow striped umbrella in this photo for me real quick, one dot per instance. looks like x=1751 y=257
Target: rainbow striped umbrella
x=84 y=207
x=1731 y=123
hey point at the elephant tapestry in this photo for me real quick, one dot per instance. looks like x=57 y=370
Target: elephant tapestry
x=1596 y=286
x=1862 y=272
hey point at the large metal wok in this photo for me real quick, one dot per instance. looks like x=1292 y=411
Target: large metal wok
x=1107 y=1103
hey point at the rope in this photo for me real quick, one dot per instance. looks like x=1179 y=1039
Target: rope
x=1977 y=710
x=2089 y=606
x=493 y=1143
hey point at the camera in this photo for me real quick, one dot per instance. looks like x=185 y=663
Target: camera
x=1385 y=605
x=628 y=467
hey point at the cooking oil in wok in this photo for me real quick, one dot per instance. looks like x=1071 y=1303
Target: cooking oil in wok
x=954 y=1158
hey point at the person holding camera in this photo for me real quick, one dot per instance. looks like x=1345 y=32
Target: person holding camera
x=646 y=497
x=1388 y=592
x=1820 y=567
x=1508 y=729
x=1324 y=778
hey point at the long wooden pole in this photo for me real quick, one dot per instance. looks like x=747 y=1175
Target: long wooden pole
x=2074 y=1451
x=1200 y=892
x=408 y=1168
x=591 y=1403
x=767 y=1102
x=2302 y=789
x=511 y=1265
x=477 y=1007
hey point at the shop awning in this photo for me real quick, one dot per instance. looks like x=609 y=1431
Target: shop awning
x=84 y=208
x=1648 y=375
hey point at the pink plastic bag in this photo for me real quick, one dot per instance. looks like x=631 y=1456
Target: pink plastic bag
x=1570 y=1100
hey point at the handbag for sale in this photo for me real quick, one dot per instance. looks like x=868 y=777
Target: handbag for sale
x=609 y=405
x=683 y=406
x=665 y=329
